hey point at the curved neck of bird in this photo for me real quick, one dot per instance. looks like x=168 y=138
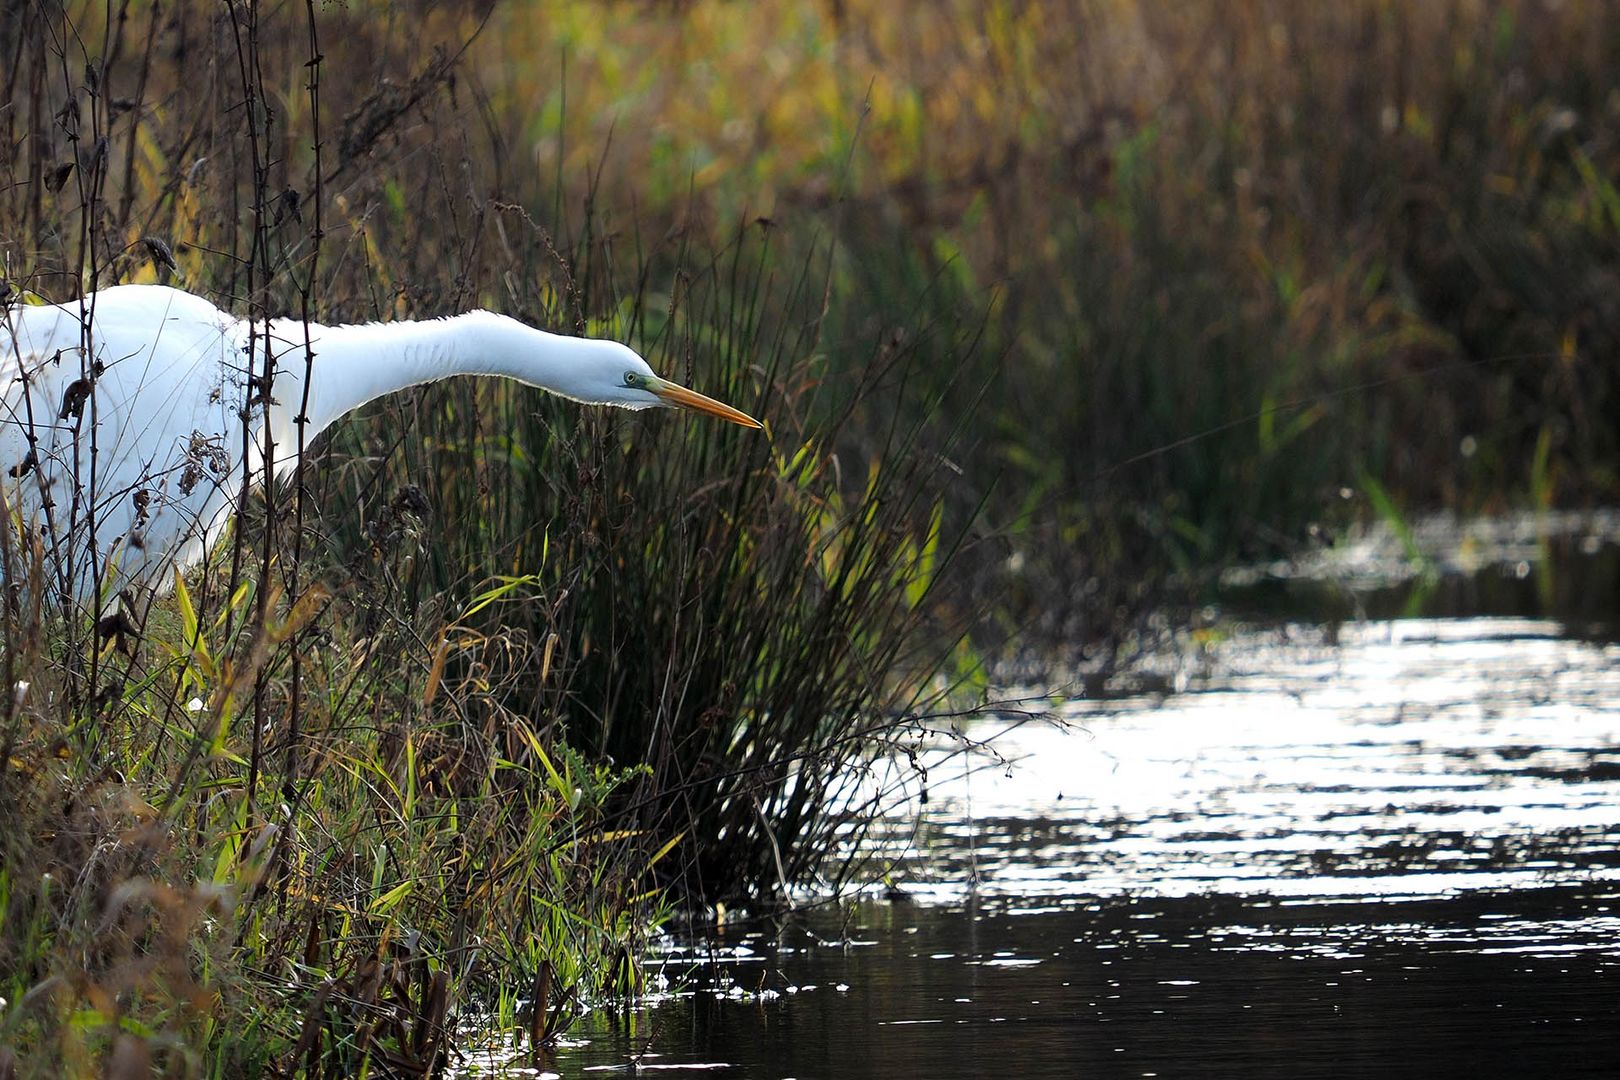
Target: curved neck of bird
x=354 y=365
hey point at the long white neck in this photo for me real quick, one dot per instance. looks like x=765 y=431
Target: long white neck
x=357 y=364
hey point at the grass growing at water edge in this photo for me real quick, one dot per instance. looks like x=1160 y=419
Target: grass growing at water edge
x=452 y=743
x=414 y=841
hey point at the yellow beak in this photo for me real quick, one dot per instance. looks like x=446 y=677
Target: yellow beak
x=678 y=395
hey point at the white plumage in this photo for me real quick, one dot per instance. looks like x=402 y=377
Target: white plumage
x=138 y=443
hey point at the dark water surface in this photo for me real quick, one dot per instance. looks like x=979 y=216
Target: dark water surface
x=1390 y=849
x=1487 y=984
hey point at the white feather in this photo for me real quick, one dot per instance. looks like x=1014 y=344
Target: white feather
x=150 y=470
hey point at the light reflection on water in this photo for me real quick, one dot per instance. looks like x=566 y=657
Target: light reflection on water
x=1411 y=759
x=1394 y=854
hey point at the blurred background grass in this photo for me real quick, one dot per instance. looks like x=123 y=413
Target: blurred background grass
x=1054 y=308
x=1331 y=240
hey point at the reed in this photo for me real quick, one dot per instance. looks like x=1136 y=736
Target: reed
x=747 y=618
x=408 y=854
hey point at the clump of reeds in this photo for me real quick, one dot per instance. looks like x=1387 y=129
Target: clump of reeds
x=334 y=886
x=746 y=618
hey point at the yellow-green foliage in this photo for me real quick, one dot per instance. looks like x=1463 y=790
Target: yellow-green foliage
x=328 y=890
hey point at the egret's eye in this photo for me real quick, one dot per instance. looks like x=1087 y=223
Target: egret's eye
x=632 y=379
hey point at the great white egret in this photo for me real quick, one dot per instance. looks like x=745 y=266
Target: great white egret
x=123 y=415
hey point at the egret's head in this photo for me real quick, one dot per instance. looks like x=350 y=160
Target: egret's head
x=624 y=379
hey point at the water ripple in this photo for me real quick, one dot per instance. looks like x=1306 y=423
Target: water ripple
x=1418 y=758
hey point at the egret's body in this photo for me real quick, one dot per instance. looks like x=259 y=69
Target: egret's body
x=130 y=459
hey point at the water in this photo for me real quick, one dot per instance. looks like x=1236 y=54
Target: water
x=1412 y=758
x=1385 y=848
